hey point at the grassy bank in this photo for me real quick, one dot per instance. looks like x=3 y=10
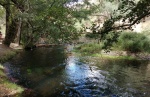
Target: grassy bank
x=7 y=55
x=105 y=56
x=129 y=45
x=88 y=49
x=82 y=50
x=108 y=56
x=7 y=88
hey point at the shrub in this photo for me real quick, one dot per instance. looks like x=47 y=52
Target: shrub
x=89 y=48
x=133 y=42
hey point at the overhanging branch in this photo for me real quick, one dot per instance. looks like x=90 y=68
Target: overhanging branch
x=134 y=22
x=19 y=6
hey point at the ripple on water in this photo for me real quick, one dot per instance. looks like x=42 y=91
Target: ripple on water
x=53 y=74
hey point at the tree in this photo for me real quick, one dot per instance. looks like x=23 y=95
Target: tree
x=130 y=12
x=11 y=7
x=52 y=18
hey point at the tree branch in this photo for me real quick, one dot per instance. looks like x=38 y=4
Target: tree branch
x=19 y=6
x=134 y=22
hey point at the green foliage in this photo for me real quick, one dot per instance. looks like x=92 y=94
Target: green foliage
x=1 y=11
x=115 y=57
x=147 y=33
x=53 y=19
x=7 y=55
x=133 y=42
x=89 y=49
x=129 y=12
x=7 y=85
x=136 y=11
x=109 y=39
x=58 y=21
x=92 y=36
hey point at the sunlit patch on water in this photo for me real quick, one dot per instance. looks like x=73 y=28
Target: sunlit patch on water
x=52 y=73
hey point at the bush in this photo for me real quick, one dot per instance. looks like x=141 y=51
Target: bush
x=133 y=42
x=90 y=48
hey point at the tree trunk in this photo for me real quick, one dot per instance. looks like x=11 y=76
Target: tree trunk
x=11 y=25
x=18 y=37
x=7 y=7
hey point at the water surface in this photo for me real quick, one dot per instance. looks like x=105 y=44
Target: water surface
x=53 y=73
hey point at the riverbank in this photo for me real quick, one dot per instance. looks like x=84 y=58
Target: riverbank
x=7 y=88
x=125 y=55
x=116 y=55
x=6 y=53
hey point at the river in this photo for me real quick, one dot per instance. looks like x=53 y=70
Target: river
x=53 y=73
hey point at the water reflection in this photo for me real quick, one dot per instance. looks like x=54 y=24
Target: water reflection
x=54 y=74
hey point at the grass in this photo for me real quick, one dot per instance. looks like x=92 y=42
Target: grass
x=95 y=50
x=7 y=55
x=88 y=49
x=115 y=57
x=7 y=87
x=131 y=42
x=1 y=72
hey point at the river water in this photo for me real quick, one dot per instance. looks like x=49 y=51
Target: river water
x=53 y=73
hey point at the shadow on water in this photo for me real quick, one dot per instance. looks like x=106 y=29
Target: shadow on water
x=51 y=73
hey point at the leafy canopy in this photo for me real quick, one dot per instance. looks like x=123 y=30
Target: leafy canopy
x=53 y=19
x=129 y=12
